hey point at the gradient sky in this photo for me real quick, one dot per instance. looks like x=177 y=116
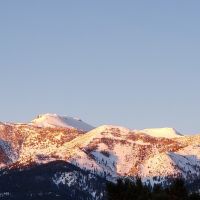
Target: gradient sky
x=130 y=63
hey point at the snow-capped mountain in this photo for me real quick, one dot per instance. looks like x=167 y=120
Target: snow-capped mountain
x=54 y=120
x=161 y=132
x=106 y=152
x=118 y=152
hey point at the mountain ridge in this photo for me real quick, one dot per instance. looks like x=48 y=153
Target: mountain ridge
x=107 y=151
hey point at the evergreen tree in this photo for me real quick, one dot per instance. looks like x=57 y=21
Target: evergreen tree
x=178 y=190
x=136 y=190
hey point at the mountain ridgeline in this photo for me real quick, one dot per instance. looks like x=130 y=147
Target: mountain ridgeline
x=55 y=157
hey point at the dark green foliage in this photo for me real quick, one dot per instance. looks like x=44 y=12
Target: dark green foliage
x=136 y=190
x=194 y=196
x=36 y=183
x=123 y=190
x=178 y=190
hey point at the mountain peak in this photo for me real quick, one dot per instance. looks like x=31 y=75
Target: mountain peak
x=162 y=132
x=54 y=120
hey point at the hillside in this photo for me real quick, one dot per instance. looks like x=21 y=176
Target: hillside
x=107 y=152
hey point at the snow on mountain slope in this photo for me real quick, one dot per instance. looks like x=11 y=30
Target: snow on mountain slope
x=161 y=132
x=158 y=165
x=108 y=151
x=100 y=150
x=54 y=120
x=114 y=152
x=187 y=160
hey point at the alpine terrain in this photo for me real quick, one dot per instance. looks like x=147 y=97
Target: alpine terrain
x=56 y=157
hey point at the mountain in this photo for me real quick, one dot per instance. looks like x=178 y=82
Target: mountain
x=54 y=120
x=102 y=154
x=118 y=152
x=57 y=180
x=162 y=132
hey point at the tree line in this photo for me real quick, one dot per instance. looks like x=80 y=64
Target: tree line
x=125 y=189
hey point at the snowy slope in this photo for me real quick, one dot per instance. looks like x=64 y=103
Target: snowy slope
x=161 y=132
x=114 y=152
x=109 y=151
x=54 y=120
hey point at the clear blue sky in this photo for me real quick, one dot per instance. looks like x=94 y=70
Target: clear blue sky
x=130 y=63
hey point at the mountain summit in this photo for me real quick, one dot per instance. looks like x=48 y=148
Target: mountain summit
x=162 y=132
x=54 y=120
